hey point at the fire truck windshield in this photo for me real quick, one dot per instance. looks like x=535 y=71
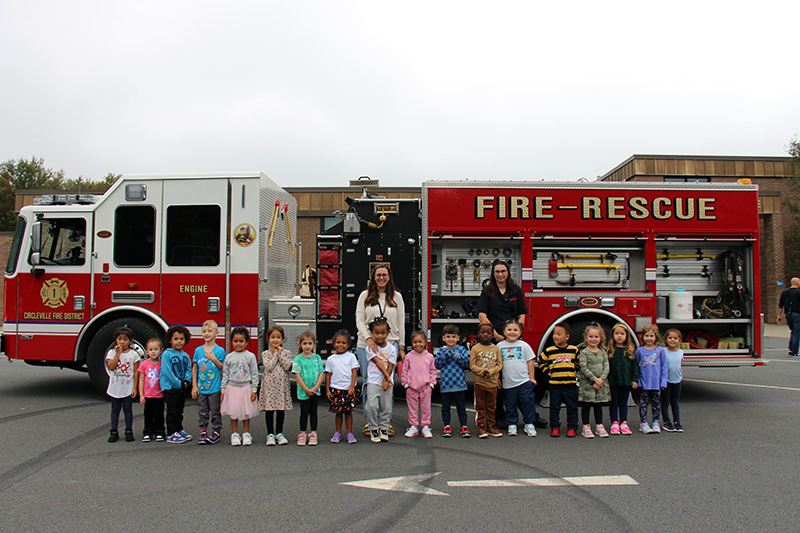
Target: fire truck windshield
x=13 y=254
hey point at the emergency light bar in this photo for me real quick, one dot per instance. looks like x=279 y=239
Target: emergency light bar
x=64 y=199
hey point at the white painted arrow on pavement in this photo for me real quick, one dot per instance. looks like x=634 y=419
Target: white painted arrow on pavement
x=413 y=483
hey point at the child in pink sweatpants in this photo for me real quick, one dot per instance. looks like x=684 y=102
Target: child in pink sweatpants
x=419 y=377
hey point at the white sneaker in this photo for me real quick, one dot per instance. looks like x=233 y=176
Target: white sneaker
x=280 y=439
x=236 y=439
x=412 y=432
x=644 y=427
x=426 y=432
x=512 y=430
x=247 y=439
x=530 y=430
x=587 y=431
x=601 y=431
x=270 y=440
x=656 y=427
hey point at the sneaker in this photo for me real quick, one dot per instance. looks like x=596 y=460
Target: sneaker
x=176 y=438
x=280 y=439
x=185 y=435
x=367 y=432
x=656 y=427
x=412 y=432
x=236 y=439
x=512 y=430
x=337 y=437
x=384 y=435
x=587 y=431
x=351 y=439
x=482 y=434
x=203 y=437
x=644 y=427
x=540 y=423
x=571 y=433
x=669 y=427
x=530 y=430
x=447 y=431
x=465 y=434
x=494 y=432
x=312 y=438
x=129 y=436
x=600 y=430
x=113 y=436
x=615 y=428
x=213 y=438
x=375 y=435
x=301 y=438
x=426 y=432
x=247 y=439
x=160 y=438
x=390 y=431
x=624 y=429
x=678 y=428
x=270 y=440
x=146 y=438
x=555 y=433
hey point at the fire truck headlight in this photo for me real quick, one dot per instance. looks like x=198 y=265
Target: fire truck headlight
x=607 y=302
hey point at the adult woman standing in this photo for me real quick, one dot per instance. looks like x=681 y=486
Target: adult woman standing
x=381 y=298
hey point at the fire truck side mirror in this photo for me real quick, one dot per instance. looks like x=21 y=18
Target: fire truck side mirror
x=36 y=242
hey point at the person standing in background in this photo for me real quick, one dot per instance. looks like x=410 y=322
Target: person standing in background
x=789 y=304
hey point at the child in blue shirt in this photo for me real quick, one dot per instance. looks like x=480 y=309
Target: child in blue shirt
x=176 y=378
x=652 y=377
x=453 y=359
x=206 y=383
x=670 y=397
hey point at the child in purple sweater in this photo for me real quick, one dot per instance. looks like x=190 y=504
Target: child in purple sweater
x=652 y=376
x=419 y=377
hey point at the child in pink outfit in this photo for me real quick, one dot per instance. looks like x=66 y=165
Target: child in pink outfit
x=419 y=377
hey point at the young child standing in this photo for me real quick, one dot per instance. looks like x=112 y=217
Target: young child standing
x=276 y=396
x=623 y=375
x=239 y=386
x=652 y=376
x=308 y=373
x=341 y=373
x=561 y=362
x=519 y=365
x=453 y=359
x=206 y=383
x=419 y=378
x=380 y=381
x=150 y=394
x=486 y=363
x=123 y=382
x=176 y=378
x=670 y=396
x=594 y=391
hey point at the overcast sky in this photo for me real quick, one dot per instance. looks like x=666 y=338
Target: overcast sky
x=318 y=93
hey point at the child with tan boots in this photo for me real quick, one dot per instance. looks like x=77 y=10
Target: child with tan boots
x=485 y=362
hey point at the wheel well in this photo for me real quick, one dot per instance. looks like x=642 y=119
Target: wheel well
x=605 y=318
x=91 y=329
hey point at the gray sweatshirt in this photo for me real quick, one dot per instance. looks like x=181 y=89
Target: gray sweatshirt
x=240 y=369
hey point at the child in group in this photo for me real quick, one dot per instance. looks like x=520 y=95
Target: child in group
x=380 y=381
x=419 y=378
x=671 y=395
x=276 y=396
x=206 y=383
x=175 y=379
x=309 y=373
x=623 y=375
x=486 y=363
x=239 y=385
x=519 y=365
x=453 y=359
x=123 y=382
x=561 y=363
x=652 y=377
x=341 y=373
x=150 y=394
x=593 y=391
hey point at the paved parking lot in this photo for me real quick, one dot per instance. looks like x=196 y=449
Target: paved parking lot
x=735 y=468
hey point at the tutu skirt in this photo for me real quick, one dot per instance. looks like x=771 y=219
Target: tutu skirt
x=343 y=402
x=237 y=403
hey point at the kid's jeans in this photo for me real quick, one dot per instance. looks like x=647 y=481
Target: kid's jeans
x=523 y=396
x=568 y=394
x=126 y=406
x=419 y=400
x=378 y=407
x=458 y=398
x=175 y=400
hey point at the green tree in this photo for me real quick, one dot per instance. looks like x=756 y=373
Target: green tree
x=792 y=236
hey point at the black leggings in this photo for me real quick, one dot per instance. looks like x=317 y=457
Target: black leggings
x=277 y=427
x=598 y=413
x=308 y=409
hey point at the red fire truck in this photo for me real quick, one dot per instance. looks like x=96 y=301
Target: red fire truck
x=153 y=251
x=680 y=255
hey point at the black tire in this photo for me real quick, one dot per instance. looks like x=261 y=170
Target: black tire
x=104 y=340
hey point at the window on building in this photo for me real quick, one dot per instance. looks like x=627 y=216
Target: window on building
x=193 y=237
x=135 y=236
x=690 y=179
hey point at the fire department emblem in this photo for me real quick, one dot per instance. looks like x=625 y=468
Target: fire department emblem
x=244 y=235
x=54 y=292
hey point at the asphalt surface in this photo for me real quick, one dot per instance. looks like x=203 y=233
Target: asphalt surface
x=735 y=468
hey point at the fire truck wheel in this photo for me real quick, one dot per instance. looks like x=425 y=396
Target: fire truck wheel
x=104 y=340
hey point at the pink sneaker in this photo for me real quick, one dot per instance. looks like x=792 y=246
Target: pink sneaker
x=615 y=428
x=624 y=429
x=601 y=431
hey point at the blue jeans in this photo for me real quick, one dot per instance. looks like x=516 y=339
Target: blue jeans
x=523 y=396
x=457 y=397
x=568 y=394
x=793 y=321
x=126 y=406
